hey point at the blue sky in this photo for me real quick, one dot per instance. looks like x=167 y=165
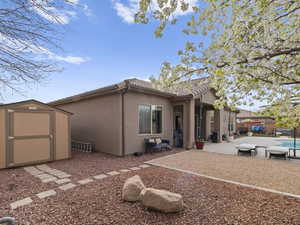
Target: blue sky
x=106 y=48
x=102 y=46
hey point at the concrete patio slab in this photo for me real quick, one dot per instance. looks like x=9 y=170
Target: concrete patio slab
x=17 y=204
x=46 y=194
x=67 y=186
x=100 y=176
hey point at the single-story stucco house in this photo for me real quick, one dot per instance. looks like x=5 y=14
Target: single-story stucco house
x=118 y=118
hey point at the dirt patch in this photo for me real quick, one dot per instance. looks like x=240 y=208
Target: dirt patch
x=280 y=175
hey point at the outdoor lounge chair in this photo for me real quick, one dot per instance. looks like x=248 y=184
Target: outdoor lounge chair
x=277 y=151
x=156 y=145
x=246 y=148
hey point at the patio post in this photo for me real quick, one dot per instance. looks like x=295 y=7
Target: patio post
x=191 y=124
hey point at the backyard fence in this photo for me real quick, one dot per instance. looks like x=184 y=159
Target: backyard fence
x=79 y=146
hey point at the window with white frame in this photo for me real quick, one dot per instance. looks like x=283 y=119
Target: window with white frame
x=150 y=119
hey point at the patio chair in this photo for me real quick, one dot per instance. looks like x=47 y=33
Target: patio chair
x=156 y=145
x=277 y=151
x=246 y=148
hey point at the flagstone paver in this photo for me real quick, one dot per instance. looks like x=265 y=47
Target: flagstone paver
x=46 y=194
x=124 y=170
x=64 y=176
x=113 y=173
x=100 y=176
x=135 y=168
x=67 y=186
x=49 y=180
x=62 y=181
x=19 y=203
x=144 y=166
x=85 y=181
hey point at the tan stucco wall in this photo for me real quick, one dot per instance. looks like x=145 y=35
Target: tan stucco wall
x=62 y=138
x=134 y=142
x=2 y=139
x=97 y=120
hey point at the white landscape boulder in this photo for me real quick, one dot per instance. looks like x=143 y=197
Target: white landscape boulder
x=161 y=200
x=132 y=189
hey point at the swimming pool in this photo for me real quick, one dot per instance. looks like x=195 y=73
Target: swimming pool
x=290 y=143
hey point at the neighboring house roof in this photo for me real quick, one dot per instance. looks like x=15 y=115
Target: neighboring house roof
x=36 y=102
x=179 y=92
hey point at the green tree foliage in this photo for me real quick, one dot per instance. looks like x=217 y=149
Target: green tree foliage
x=254 y=52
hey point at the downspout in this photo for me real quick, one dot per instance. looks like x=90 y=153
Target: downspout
x=123 y=92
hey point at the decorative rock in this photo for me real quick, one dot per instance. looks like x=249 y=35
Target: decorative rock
x=132 y=189
x=161 y=200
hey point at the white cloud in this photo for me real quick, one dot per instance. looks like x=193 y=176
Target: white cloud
x=127 y=11
x=70 y=59
x=39 y=52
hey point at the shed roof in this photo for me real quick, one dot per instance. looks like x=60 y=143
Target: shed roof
x=36 y=102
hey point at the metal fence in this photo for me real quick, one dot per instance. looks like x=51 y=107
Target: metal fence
x=79 y=146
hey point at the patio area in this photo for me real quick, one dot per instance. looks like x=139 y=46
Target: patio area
x=220 y=161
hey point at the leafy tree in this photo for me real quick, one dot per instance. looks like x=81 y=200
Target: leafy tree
x=29 y=31
x=254 y=52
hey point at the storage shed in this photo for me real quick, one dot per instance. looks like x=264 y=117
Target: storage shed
x=32 y=132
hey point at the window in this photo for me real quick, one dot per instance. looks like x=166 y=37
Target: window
x=150 y=119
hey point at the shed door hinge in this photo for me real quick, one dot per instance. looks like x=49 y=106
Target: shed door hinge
x=10 y=110
x=11 y=138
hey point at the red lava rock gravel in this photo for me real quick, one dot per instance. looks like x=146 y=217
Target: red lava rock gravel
x=99 y=203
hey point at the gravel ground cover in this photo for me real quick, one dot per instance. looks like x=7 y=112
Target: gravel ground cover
x=207 y=202
x=280 y=175
x=17 y=184
x=84 y=165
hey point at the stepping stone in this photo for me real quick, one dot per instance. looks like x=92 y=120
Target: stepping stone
x=42 y=175
x=99 y=177
x=135 y=168
x=67 y=186
x=46 y=194
x=49 y=180
x=17 y=204
x=85 y=181
x=45 y=176
x=43 y=167
x=64 y=176
x=113 y=173
x=33 y=171
x=62 y=181
x=124 y=170
x=144 y=166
